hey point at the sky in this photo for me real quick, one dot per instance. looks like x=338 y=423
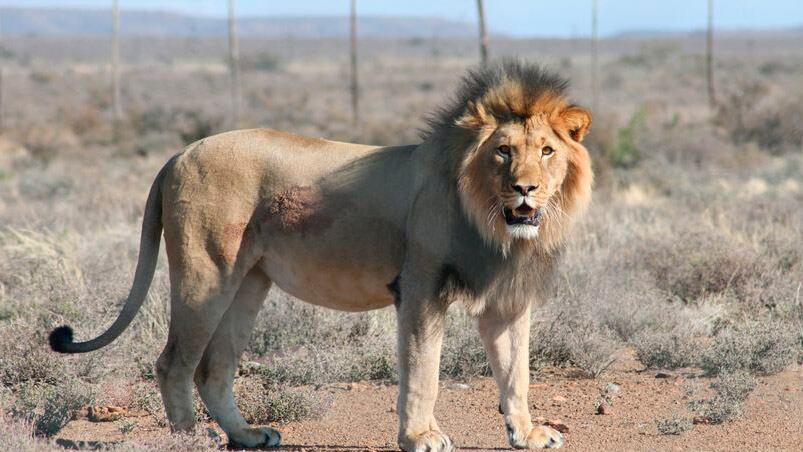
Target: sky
x=521 y=18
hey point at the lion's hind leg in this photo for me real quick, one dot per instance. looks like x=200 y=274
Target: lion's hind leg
x=200 y=296
x=215 y=374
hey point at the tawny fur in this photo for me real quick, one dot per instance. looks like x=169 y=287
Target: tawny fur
x=337 y=224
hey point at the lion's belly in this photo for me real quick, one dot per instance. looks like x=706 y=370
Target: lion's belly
x=318 y=270
x=343 y=289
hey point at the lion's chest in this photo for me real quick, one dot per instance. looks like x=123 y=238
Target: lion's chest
x=506 y=284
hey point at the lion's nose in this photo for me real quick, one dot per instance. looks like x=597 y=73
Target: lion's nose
x=524 y=189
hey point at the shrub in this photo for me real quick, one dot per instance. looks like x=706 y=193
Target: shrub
x=293 y=370
x=735 y=385
x=547 y=346
x=60 y=406
x=285 y=323
x=44 y=143
x=82 y=120
x=764 y=348
x=625 y=151
x=731 y=390
x=630 y=311
x=261 y=62
x=463 y=355
x=190 y=124
x=18 y=435
x=193 y=125
x=674 y=425
x=750 y=114
x=568 y=339
x=126 y=426
x=49 y=408
x=592 y=350
x=40 y=268
x=666 y=350
x=148 y=398
x=374 y=365
x=702 y=264
x=649 y=55
x=316 y=365
x=26 y=363
x=267 y=403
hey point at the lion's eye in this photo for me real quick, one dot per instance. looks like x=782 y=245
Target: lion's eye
x=547 y=150
x=503 y=150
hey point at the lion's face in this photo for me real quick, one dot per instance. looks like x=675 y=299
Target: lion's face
x=513 y=184
x=525 y=163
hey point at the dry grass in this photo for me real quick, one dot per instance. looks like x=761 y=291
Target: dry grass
x=692 y=244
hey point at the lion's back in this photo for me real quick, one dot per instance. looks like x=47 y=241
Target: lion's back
x=255 y=154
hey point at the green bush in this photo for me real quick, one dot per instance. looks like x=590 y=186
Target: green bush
x=625 y=152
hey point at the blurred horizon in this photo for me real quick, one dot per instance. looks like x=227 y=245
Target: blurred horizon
x=515 y=18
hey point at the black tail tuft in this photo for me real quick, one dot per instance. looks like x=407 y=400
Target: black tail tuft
x=60 y=339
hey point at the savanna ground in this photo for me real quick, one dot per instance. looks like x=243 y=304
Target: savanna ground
x=688 y=266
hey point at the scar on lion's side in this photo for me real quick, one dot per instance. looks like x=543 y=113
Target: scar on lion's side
x=298 y=208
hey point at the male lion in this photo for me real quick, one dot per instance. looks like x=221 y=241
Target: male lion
x=476 y=213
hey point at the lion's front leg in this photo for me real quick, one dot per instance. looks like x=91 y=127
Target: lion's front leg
x=420 y=318
x=506 y=339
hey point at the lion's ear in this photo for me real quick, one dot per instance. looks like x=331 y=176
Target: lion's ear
x=475 y=117
x=577 y=121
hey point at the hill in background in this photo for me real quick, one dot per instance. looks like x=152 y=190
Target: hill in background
x=89 y=22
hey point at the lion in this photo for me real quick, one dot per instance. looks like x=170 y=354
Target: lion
x=476 y=213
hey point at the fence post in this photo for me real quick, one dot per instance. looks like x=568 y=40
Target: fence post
x=483 y=34
x=234 y=67
x=1 y=101
x=355 y=93
x=117 y=109
x=709 y=56
x=594 y=55
x=1 y=77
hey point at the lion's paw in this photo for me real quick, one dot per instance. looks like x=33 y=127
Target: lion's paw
x=254 y=438
x=522 y=435
x=431 y=441
x=543 y=437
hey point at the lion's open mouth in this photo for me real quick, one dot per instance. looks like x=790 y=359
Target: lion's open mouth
x=523 y=214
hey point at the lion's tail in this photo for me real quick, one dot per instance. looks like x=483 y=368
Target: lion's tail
x=61 y=339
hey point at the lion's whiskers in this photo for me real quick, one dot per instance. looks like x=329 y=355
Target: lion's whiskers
x=490 y=218
x=554 y=210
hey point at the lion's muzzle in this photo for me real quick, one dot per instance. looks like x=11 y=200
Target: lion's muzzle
x=524 y=214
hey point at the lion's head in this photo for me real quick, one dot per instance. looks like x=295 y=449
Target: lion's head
x=515 y=156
